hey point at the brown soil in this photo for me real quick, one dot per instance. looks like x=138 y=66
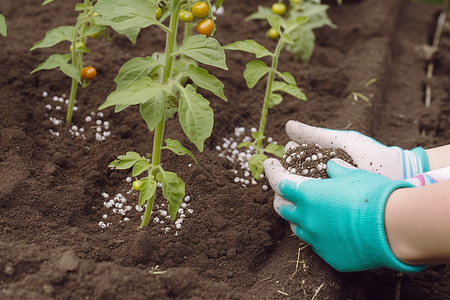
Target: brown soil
x=233 y=245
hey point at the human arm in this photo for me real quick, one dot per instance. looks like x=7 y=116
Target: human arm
x=342 y=217
x=438 y=157
x=417 y=223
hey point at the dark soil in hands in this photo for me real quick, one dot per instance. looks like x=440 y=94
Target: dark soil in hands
x=311 y=160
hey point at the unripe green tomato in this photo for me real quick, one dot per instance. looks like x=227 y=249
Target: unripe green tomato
x=78 y=45
x=200 y=10
x=137 y=185
x=272 y=33
x=95 y=35
x=158 y=13
x=185 y=16
x=278 y=8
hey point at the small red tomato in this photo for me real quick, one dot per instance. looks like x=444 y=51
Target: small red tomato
x=88 y=73
x=137 y=185
x=200 y=10
x=205 y=27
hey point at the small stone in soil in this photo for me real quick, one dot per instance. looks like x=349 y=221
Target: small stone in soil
x=311 y=160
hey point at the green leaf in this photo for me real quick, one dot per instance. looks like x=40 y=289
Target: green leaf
x=275 y=149
x=257 y=135
x=218 y=3
x=71 y=71
x=55 y=36
x=173 y=189
x=147 y=190
x=176 y=147
x=203 y=79
x=3 y=28
x=126 y=161
x=137 y=92
x=304 y=42
x=290 y=89
x=245 y=144
x=52 y=62
x=288 y=77
x=195 y=115
x=275 y=99
x=47 y=2
x=126 y=14
x=275 y=23
x=255 y=164
x=152 y=111
x=205 y=50
x=249 y=46
x=134 y=70
x=261 y=13
x=254 y=71
x=140 y=166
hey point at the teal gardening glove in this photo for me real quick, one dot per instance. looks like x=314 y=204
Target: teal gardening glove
x=341 y=217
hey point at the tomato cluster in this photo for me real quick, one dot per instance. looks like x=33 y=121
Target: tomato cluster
x=199 y=10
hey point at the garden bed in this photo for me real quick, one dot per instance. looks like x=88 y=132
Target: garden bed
x=231 y=245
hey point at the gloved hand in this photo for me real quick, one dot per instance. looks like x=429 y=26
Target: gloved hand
x=341 y=217
x=392 y=162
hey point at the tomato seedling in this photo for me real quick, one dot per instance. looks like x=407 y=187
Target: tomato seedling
x=71 y=63
x=255 y=70
x=303 y=39
x=159 y=85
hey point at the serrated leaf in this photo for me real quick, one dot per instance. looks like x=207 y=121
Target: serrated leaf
x=176 y=147
x=152 y=111
x=147 y=190
x=173 y=189
x=255 y=164
x=275 y=23
x=275 y=149
x=205 y=50
x=126 y=161
x=207 y=81
x=134 y=70
x=261 y=13
x=140 y=166
x=55 y=36
x=249 y=46
x=3 y=27
x=136 y=93
x=290 y=89
x=71 y=71
x=52 y=62
x=254 y=71
x=275 y=99
x=288 y=77
x=195 y=115
x=126 y=14
x=304 y=42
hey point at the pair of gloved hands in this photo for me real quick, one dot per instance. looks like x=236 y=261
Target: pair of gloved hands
x=342 y=217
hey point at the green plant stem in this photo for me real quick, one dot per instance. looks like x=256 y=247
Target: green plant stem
x=77 y=61
x=269 y=85
x=159 y=130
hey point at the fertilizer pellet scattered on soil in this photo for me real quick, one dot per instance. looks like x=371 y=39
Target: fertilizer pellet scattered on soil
x=119 y=207
x=239 y=157
x=56 y=112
